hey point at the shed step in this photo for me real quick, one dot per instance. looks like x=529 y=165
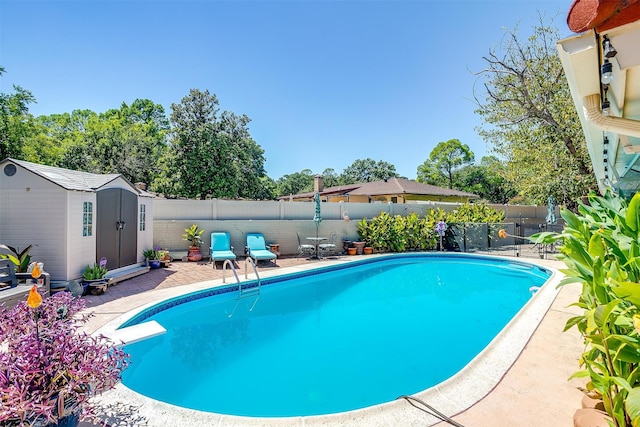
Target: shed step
x=115 y=276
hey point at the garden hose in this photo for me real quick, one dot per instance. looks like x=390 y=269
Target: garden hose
x=430 y=410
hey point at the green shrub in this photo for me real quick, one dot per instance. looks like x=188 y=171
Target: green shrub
x=398 y=233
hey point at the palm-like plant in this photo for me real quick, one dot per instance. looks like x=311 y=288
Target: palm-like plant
x=193 y=235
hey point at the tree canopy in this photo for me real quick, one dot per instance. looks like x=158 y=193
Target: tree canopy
x=531 y=121
x=443 y=161
x=16 y=124
x=367 y=170
x=212 y=153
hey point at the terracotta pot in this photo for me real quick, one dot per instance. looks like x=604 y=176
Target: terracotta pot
x=368 y=250
x=351 y=251
x=194 y=253
x=359 y=247
x=275 y=248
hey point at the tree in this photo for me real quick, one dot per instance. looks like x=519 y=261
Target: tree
x=16 y=124
x=443 y=161
x=65 y=131
x=213 y=154
x=330 y=178
x=129 y=140
x=486 y=180
x=367 y=170
x=299 y=182
x=268 y=189
x=531 y=121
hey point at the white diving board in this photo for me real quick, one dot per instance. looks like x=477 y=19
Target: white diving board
x=136 y=333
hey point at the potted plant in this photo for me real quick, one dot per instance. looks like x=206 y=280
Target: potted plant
x=50 y=367
x=21 y=259
x=153 y=257
x=94 y=275
x=193 y=235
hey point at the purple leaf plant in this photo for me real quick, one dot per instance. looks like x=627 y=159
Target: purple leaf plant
x=49 y=368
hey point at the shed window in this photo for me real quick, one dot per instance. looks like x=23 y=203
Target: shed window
x=87 y=218
x=143 y=218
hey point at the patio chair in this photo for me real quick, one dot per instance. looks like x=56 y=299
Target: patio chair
x=7 y=274
x=330 y=247
x=221 y=249
x=257 y=248
x=304 y=249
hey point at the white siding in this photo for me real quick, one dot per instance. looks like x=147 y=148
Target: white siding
x=145 y=238
x=32 y=212
x=81 y=249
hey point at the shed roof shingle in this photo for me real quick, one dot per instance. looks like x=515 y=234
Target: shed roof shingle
x=67 y=178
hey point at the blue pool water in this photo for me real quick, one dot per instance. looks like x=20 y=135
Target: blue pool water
x=336 y=340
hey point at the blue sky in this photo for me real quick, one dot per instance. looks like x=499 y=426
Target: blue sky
x=324 y=82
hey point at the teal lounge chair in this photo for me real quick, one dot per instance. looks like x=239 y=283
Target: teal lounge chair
x=221 y=248
x=257 y=248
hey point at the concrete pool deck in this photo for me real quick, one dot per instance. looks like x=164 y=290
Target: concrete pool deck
x=531 y=391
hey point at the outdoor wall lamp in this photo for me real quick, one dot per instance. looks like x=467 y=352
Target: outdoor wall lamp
x=607 y=48
x=606 y=72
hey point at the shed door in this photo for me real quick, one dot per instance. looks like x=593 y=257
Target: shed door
x=117 y=231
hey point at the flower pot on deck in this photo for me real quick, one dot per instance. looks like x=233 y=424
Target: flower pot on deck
x=194 y=253
x=351 y=251
x=368 y=250
x=359 y=247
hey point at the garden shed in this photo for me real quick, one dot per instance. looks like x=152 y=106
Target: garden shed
x=73 y=218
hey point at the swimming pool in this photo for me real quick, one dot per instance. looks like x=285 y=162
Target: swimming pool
x=349 y=335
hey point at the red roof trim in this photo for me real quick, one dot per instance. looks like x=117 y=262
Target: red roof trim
x=602 y=15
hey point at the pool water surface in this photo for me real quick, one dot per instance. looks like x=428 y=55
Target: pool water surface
x=331 y=341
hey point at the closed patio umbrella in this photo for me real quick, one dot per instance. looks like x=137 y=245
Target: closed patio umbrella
x=317 y=218
x=551 y=212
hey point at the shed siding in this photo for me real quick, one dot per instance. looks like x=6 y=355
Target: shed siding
x=81 y=249
x=145 y=238
x=36 y=217
x=32 y=212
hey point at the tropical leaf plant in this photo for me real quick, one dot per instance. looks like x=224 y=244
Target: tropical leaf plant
x=600 y=246
x=20 y=258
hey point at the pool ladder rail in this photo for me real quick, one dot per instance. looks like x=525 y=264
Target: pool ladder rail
x=243 y=292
